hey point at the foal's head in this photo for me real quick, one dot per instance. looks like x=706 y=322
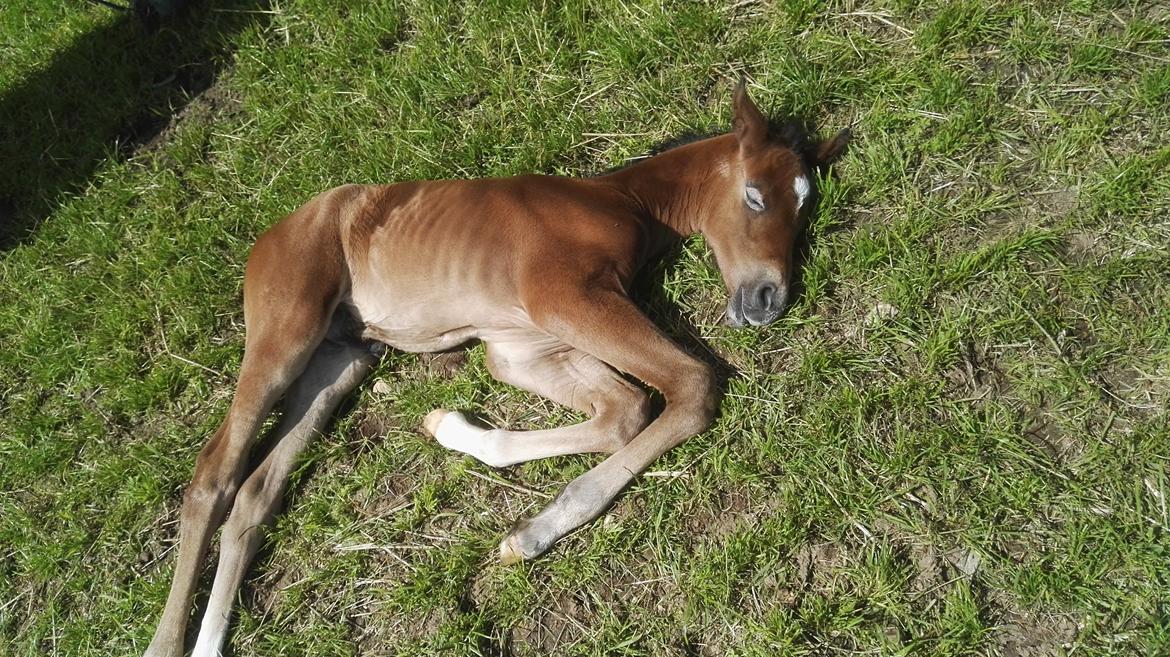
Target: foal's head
x=753 y=224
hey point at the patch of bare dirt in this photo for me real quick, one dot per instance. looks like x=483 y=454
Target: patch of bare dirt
x=814 y=567
x=976 y=375
x=378 y=633
x=1134 y=391
x=444 y=364
x=1031 y=635
x=1046 y=435
x=1058 y=202
x=369 y=429
x=928 y=568
x=549 y=628
x=214 y=103
x=557 y=620
x=964 y=561
x=1087 y=247
x=394 y=491
x=266 y=591
x=159 y=538
x=817 y=565
x=732 y=511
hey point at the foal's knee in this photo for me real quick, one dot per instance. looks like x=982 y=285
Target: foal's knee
x=696 y=395
x=254 y=506
x=212 y=488
x=630 y=411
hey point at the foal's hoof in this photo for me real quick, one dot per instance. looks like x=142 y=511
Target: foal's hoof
x=519 y=545
x=510 y=552
x=432 y=420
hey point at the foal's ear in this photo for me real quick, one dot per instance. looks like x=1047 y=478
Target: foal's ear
x=751 y=128
x=827 y=150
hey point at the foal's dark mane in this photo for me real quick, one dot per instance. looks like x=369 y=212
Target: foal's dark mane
x=793 y=133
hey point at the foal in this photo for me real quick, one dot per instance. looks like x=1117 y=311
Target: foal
x=536 y=267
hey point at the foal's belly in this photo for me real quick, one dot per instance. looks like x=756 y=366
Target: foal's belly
x=412 y=340
x=415 y=323
x=437 y=270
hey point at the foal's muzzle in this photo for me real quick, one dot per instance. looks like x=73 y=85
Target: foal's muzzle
x=757 y=303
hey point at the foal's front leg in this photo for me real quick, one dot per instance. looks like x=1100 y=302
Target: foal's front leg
x=609 y=326
x=538 y=363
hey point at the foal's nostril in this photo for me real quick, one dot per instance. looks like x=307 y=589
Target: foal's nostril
x=764 y=294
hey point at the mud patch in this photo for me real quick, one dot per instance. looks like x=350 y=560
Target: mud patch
x=965 y=562
x=393 y=493
x=728 y=515
x=814 y=570
x=1058 y=202
x=368 y=430
x=161 y=537
x=1082 y=246
x=264 y=593
x=817 y=565
x=1133 y=391
x=976 y=375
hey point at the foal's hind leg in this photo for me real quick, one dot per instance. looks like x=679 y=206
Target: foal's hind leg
x=272 y=360
x=335 y=369
x=291 y=287
x=618 y=409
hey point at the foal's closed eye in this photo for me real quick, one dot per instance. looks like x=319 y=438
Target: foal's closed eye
x=753 y=198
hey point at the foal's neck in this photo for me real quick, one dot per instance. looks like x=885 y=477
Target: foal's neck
x=676 y=187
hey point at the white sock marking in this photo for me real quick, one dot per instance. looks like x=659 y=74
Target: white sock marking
x=455 y=432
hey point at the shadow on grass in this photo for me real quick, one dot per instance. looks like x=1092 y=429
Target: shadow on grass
x=108 y=94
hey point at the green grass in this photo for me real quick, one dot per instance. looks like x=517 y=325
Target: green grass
x=955 y=442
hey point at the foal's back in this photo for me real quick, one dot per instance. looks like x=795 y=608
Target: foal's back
x=424 y=261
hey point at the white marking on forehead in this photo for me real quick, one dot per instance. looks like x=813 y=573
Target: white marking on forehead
x=800 y=186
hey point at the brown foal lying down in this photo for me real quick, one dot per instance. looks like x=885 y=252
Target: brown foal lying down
x=536 y=267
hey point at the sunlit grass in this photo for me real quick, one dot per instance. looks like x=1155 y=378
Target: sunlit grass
x=955 y=442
